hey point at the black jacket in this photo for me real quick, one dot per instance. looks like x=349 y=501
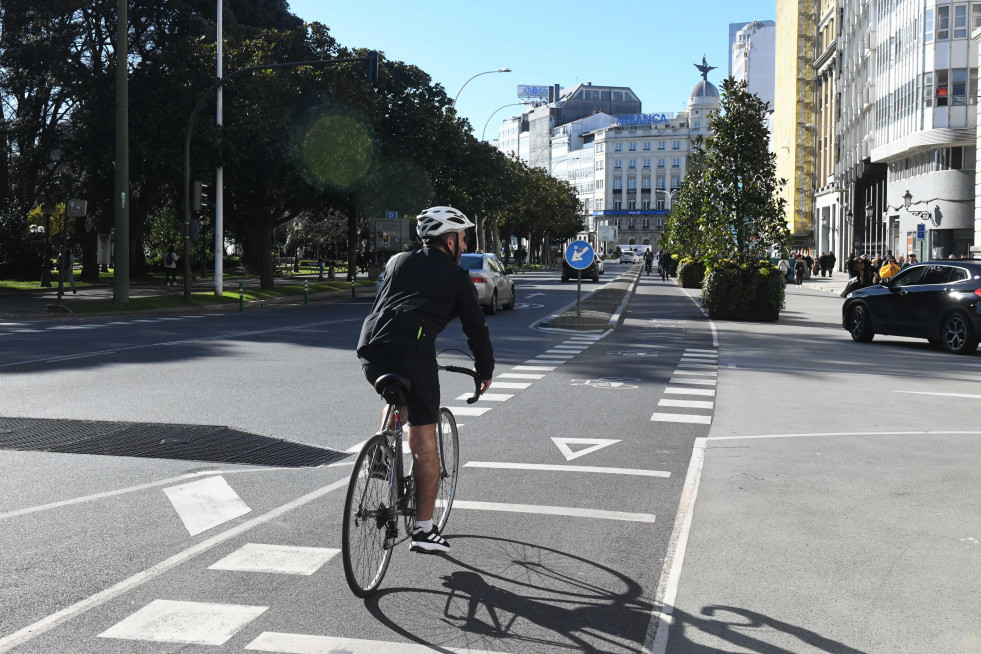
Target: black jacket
x=424 y=291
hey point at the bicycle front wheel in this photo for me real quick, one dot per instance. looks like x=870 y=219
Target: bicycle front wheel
x=447 y=444
x=367 y=513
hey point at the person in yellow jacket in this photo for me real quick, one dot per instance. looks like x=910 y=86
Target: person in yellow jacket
x=889 y=269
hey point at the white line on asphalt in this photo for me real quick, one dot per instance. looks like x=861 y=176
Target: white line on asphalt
x=270 y=641
x=715 y=333
x=133 y=489
x=696 y=366
x=690 y=349
x=519 y=386
x=554 y=510
x=43 y=625
x=551 y=355
x=488 y=397
x=687 y=404
x=703 y=373
x=570 y=352
x=565 y=468
x=690 y=391
x=703 y=382
x=848 y=433
x=973 y=397
x=467 y=411
x=536 y=361
x=667 y=589
x=517 y=375
x=681 y=417
x=534 y=368
x=700 y=355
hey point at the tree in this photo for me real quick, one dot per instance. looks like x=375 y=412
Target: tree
x=744 y=216
x=683 y=233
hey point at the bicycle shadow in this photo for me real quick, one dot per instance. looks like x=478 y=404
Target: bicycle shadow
x=520 y=594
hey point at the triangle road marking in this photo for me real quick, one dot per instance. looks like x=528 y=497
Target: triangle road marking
x=593 y=443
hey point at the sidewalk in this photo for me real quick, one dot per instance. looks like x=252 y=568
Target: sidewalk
x=834 y=284
x=34 y=304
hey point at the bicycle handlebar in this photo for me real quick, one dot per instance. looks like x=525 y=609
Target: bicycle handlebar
x=471 y=373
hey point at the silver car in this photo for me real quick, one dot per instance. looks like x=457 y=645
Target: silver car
x=494 y=287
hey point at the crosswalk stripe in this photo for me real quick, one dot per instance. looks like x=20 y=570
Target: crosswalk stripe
x=704 y=373
x=535 y=368
x=702 y=382
x=554 y=510
x=488 y=397
x=513 y=375
x=707 y=392
x=468 y=410
x=681 y=417
x=687 y=404
x=688 y=349
x=698 y=366
x=511 y=385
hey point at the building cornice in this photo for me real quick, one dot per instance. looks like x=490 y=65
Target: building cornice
x=921 y=141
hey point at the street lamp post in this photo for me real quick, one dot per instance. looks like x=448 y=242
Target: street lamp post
x=513 y=104
x=486 y=72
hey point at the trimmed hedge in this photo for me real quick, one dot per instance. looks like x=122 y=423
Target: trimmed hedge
x=691 y=273
x=748 y=291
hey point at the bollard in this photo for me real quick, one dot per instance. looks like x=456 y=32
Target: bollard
x=306 y=291
x=241 y=297
x=352 y=288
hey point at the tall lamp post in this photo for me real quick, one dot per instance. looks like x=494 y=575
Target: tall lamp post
x=486 y=72
x=513 y=104
x=120 y=278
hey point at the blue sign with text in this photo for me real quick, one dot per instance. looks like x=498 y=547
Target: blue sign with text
x=579 y=255
x=921 y=231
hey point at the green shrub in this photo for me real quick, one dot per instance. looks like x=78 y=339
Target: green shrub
x=748 y=291
x=691 y=273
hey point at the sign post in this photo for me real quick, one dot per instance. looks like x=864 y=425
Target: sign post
x=579 y=255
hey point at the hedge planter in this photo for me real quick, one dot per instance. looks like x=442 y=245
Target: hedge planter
x=691 y=273
x=749 y=291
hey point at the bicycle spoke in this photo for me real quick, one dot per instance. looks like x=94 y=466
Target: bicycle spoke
x=366 y=513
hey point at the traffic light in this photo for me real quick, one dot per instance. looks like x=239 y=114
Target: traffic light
x=373 y=68
x=199 y=196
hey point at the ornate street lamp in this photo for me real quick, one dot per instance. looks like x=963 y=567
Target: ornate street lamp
x=922 y=215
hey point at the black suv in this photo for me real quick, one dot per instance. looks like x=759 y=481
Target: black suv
x=589 y=272
x=936 y=300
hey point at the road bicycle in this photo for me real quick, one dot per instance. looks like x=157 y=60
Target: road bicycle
x=382 y=489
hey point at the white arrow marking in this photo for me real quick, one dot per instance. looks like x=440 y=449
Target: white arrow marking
x=531 y=295
x=204 y=504
x=594 y=444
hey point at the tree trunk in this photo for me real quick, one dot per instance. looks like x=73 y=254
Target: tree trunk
x=353 y=245
x=495 y=235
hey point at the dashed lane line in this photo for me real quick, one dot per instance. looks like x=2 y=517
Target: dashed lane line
x=681 y=417
x=566 y=468
x=554 y=510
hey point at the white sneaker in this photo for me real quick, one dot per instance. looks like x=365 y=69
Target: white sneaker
x=428 y=542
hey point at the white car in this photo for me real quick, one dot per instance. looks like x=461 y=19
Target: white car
x=489 y=275
x=628 y=256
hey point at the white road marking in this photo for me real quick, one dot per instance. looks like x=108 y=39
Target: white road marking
x=510 y=385
x=703 y=382
x=973 y=397
x=270 y=641
x=193 y=623
x=554 y=510
x=700 y=357
x=565 y=468
x=592 y=443
x=667 y=590
x=698 y=366
x=45 y=624
x=468 y=410
x=534 y=368
x=207 y=503
x=278 y=559
x=681 y=417
x=488 y=397
x=704 y=373
x=687 y=404
x=690 y=391
x=566 y=352
x=848 y=433
x=696 y=350
x=515 y=375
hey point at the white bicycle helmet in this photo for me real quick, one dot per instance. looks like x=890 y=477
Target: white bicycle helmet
x=440 y=220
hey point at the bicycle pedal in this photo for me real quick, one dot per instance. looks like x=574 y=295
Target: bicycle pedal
x=389 y=543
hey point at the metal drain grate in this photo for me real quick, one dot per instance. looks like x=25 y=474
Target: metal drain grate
x=160 y=441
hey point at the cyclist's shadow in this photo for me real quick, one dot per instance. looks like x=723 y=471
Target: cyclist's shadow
x=561 y=608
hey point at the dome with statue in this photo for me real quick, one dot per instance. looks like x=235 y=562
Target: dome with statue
x=705 y=94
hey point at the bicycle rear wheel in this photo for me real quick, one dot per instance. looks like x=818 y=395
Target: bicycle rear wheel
x=367 y=514
x=447 y=444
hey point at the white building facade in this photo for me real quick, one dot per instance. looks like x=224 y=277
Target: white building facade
x=753 y=57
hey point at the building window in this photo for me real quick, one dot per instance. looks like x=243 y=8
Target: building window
x=960 y=21
x=618 y=164
x=660 y=222
x=660 y=145
x=600 y=183
x=618 y=147
x=645 y=183
x=600 y=148
x=941 y=88
x=660 y=207
x=630 y=223
x=697 y=124
x=585 y=204
x=633 y=163
x=645 y=223
x=633 y=147
x=943 y=23
x=958 y=86
x=631 y=183
x=660 y=182
x=676 y=145
x=647 y=144
x=975 y=15
x=617 y=206
x=660 y=163
x=631 y=205
x=617 y=183
x=646 y=204
x=647 y=163
x=927 y=89
x=676 y=162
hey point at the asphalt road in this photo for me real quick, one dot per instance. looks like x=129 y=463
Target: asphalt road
x=820 y=502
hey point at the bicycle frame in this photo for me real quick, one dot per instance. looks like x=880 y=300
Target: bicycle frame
x=396 y=496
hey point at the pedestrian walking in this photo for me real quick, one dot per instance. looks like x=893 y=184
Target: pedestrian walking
x=170 y=266
x=784 y=266
x=66 y=267
x=889 y=269
x=800 y=266
x=832 y=260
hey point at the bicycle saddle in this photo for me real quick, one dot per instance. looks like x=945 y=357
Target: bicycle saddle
x=393 y=388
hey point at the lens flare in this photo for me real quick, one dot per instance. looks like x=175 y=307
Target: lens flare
x=336 y=151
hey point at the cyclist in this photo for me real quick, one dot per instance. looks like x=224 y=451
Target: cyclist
x=423 y=291
x=662 y=263
x=648 y=261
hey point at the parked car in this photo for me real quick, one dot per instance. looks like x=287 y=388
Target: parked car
x=589 y=272
x=936 y=300
x=628 y=256
x=600 y=266
x=494 y=286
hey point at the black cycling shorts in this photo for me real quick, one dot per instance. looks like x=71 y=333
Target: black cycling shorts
x=423 y=400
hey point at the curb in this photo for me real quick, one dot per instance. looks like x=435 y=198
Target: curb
x=562 y=310
x=617 y=317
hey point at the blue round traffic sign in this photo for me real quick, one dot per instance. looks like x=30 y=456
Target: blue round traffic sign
x=579 y=255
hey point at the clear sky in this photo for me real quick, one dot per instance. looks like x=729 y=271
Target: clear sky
x=649 y=46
